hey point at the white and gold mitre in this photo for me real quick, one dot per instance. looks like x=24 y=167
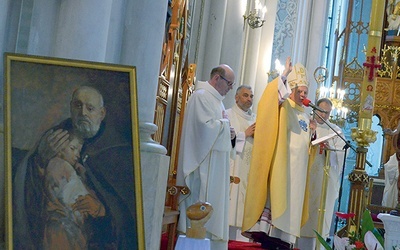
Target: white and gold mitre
x=298 y=76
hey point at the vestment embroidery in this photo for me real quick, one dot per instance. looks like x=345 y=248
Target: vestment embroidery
x=303 y=125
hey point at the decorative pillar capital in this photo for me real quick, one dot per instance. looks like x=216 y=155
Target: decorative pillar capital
x=363 y=137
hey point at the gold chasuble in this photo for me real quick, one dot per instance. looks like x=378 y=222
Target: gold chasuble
x=265 y=143
x=268 y=173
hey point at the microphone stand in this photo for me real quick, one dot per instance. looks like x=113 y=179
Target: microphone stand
x=340 y=190
x=348 y=145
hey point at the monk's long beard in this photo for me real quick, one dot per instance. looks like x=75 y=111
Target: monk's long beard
x=86 y=129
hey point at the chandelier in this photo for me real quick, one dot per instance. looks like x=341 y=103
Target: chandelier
x=255 y=18
x=334 y=94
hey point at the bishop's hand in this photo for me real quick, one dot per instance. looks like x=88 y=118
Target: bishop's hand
x=288 y=67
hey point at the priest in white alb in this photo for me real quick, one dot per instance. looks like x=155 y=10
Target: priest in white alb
x=206 y=146
x=243 y=121
x=390 y=191
x=336 y=156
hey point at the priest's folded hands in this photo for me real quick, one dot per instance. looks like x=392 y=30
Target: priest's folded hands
x=233 y=133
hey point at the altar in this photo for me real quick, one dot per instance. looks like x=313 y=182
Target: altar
x=392 y=230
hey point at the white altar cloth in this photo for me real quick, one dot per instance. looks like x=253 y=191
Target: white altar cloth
x=184 y=243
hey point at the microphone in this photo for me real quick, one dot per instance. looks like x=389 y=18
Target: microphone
x=308 y=103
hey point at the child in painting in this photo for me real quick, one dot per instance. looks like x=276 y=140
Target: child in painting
x=65 y=226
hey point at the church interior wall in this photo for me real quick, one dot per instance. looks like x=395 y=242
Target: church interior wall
x=199 y=10
x=314 y=58
x=212 y=36
x=109 y=32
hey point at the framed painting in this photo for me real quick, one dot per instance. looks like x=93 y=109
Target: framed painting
x=72 y=155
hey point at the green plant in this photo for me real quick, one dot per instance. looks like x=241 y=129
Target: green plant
x=356 y=240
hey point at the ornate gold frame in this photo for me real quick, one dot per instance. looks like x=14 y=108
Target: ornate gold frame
x=37 y=93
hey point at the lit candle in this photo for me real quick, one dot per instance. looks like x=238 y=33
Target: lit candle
x=333 y=111
x=264 y=10
x=341 y=94
x=322 y=92
x=257 y=5
x=373 y=51
x=332 y=93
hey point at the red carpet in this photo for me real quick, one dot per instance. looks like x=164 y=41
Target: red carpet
x=240 y=245
x=232 y=244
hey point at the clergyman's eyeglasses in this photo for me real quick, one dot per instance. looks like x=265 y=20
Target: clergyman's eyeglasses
x=229 y=82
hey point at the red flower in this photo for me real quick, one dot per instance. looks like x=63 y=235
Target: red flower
x=344 y=215
x=359 y=245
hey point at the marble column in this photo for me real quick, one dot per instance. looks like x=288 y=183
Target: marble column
x=260 y=50
x=82 y=29
x=214 y=26
x=232 y=49
x=319 y=12
x=219 y=37
x=141 y=46
x=43 y=28
x=3 y=28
